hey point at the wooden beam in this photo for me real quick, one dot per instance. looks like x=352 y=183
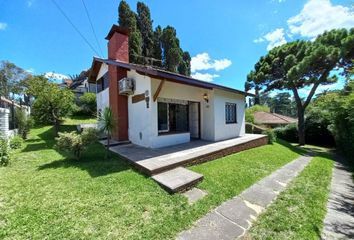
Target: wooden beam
x=138 y=98
x=159 y=89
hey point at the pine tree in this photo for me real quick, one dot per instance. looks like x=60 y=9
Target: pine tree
x=144 y=24
x=172 y=53
x=128 y=19
x=185 y=65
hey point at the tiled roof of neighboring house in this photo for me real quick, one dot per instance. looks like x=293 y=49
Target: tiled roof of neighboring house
x=158 y=73
x=272 y=118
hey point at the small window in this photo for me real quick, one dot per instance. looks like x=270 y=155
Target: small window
x=230 y=113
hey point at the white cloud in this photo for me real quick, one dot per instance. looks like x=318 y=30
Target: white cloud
x=204 y=76
x=55 y=76
x=258 y=40
x=203 y=61
x=3 y=26
x=318 y=16
x=30 y=70
x=274 y=39
x=30 y=3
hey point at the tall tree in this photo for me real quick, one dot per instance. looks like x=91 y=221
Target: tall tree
x=11 y=77
x=172 y=53
x=128 y=19
x=185 y=65
x=300 y=64
x=144 y=24
x=51 y=103
x=157 y=54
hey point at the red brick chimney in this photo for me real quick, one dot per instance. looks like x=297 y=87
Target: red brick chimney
x=118 y=49
x=118 y=44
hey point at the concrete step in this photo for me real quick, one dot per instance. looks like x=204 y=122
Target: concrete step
x=178 y=179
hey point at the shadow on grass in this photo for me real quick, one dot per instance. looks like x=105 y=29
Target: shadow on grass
x=93 y=161
x=295 y=149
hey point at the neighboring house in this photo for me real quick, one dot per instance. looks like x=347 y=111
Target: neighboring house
x=154 y=108
x=7 y=116
x=272 y=119
x=81 y=86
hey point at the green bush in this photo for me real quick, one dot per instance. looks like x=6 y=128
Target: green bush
x=76 y=143
x=288 y=133
x=16 y=142
x=4 y=152
x=88 y=103
x=271 y=135
x=24 y=122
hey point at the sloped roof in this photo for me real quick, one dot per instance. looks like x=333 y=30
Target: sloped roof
x=158 y=73
x=272 y=118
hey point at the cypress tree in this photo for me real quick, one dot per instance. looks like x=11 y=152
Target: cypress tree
x=157 y=53
x=172 y=53
x=144 y=24
x=128 y=19
x=185 y=65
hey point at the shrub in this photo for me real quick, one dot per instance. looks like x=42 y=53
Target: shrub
x=4 y=152
x=16 y=142
x=76 y=143
x=288 y=133
x=24 y=122
x=271 y=135
x=88 y=103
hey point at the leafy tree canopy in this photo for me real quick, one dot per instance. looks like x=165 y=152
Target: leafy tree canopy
x=11 y=77
x=300 y=64
x=51 y=103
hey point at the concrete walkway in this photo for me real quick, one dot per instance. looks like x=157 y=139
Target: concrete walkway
x=339 y=221
x=232 y=219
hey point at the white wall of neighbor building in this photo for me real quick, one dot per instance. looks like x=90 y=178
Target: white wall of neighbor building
x=222 y=130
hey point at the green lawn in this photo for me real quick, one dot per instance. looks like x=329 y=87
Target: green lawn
x=46 y=195
x=299 y=211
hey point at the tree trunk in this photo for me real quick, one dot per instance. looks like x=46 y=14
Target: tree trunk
x=301 y=125
x=56 y=127
x=107 y=147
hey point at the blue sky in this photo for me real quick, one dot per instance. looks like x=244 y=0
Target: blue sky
x=226 y=38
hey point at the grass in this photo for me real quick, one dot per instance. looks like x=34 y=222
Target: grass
x=45 y=194
x=299 y=211
x=75 y=120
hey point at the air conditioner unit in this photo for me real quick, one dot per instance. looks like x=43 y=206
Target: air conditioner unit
x=126 y=86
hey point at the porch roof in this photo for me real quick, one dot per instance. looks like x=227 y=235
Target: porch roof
x=159 y=74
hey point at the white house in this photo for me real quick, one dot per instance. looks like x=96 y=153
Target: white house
x=155 y=108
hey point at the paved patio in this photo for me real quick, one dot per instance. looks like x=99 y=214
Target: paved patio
x=158 y=160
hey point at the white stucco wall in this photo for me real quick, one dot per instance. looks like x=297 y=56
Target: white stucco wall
x=102 y=99
x=140 y=117
x=223 y=130
x=143 y=124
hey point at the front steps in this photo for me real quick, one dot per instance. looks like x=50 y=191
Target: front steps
x=178 y=179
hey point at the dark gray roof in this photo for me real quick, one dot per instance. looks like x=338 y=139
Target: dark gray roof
x=160 y=74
